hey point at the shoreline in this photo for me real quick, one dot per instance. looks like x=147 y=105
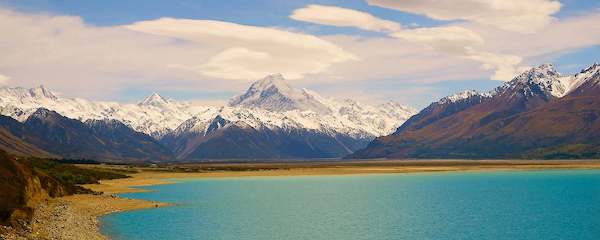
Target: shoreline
x=78 y=216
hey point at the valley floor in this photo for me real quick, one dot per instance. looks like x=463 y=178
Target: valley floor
x=76 y=217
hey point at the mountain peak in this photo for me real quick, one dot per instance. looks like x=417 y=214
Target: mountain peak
x=41 y=92
x=272 y=81
x=275 y=77
x=43 y=113
x=542 y=71
x=273 y=93
x=593 y=68
x=153 y=100
x=542 y=80
x=546 y=67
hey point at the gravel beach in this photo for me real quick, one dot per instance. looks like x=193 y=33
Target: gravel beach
x=74 y=217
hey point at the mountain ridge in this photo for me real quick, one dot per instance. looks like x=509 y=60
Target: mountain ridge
x=157 y=116
x=57 y=136
x=538 y=114
x=284 y=121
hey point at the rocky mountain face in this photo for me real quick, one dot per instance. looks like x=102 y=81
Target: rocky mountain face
x=269 y=120
x=11 y=133
x=54 y=135
x=538 y=114
x=154 y=115
x=273 y=120
x=226 y=139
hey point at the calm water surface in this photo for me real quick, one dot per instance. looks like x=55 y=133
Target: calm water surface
x=485 y=205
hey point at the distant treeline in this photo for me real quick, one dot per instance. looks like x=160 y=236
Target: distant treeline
x=87 y=161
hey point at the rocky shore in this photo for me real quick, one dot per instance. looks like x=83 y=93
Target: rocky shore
x=73 y=217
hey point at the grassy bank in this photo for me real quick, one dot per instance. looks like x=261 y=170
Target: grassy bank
x=25 y=182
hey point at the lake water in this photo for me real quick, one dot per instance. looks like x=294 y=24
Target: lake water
x=481 y=205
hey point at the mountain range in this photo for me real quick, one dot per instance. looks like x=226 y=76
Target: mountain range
x=538 y=114
x=270 y=120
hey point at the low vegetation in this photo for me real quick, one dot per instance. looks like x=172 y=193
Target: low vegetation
x=69 y=174
x=25 y=182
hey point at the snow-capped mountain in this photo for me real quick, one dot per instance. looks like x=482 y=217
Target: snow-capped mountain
x=546 y=81
x=283 y=120
x=155 y=100
x=270 y=106
x=46 y=133
x=270 y=102
x=274 y=94
x=154 y=116
x=538 y=114
x=273 y=103
x=543 y=80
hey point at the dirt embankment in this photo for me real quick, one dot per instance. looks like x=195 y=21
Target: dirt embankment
x=22 y=188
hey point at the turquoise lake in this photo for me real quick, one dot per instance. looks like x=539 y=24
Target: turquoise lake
x=477 y=205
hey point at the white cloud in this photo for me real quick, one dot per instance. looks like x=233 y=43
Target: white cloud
x=250 y=52
x=461 y=42
x=514 y=15
x=412 y=61
x=67 y=55
x=397 y=60
x=343 y=17
x=451 y=40
x=560 y=36
x=505 y=67
x=242 y=63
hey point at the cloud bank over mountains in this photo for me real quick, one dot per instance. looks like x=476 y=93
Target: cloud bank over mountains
x=453 y=39
x=476 y=39
x=249 y=52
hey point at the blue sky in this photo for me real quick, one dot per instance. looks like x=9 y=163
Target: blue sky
x=338 y=78
x=261 y=13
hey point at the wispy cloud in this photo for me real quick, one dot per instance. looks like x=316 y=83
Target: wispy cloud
x=512 y=15
x=176 y=55
x=462 y=42
x=559 y=36
x=343 y=17
x=452 y=40
x=159 y=54
x=250 y=51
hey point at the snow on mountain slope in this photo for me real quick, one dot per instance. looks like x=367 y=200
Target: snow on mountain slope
x=575 y=81
x=543 y=79
x=154 y=116
x=462 y=96
x=274 y=94
x=268 y=103
x=272 y=103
